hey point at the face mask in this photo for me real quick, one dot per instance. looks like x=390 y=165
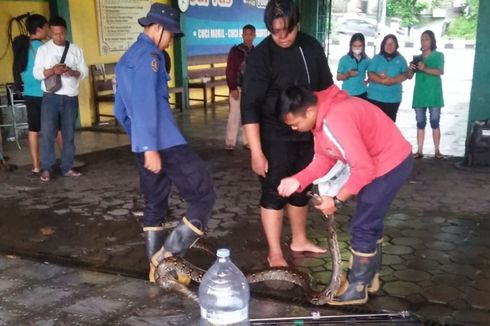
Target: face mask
x=357 y=51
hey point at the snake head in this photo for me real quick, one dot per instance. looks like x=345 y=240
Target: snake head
x=315 y=198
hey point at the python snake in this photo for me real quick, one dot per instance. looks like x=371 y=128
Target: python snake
x=169 y=267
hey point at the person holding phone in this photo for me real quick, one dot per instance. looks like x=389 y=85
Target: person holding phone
x=428 y=68
x=353 y=66
x=59 y=109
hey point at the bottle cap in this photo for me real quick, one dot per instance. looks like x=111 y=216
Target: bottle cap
x=223 y=253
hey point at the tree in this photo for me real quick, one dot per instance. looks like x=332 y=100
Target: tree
x=407 y=10
x=465 y=25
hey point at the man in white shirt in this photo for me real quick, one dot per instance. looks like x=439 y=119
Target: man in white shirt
x=60 y=108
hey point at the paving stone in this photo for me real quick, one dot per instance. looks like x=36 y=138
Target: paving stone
x=83 y=278
x=441 y=294
x=439 y=256
x=460 y=269
x=405 y=241
x=9 y=261
x=401 y=289
x=397 y=250
x=118 y=212
x=471 y=317
x=95 y=307
x=40 y=297
x=8 y=316
x=9 y=284
x=391 y=259
x=434 y=312
x=157 y=317
x=440 y=245
x=39 y=273
x=478 y=299
x=412 y=275
x=133 y=288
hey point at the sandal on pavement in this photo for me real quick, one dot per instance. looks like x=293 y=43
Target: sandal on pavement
x=72 y=173
x=439 y=156
x=418 y=156
x=45 y=176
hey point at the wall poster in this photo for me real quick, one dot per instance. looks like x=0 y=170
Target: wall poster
x=117 y=22
x=214 y=26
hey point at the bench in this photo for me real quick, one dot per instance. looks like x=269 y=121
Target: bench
x=103 y=92
x=207 y=72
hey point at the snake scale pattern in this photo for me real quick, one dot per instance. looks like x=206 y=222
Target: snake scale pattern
x=166 y=271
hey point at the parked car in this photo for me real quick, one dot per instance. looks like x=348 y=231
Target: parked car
x=352 y=25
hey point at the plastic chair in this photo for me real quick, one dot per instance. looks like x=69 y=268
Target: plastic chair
x=15 y=102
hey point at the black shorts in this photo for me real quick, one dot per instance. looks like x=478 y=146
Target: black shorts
x=33 y=104
x=285 y=158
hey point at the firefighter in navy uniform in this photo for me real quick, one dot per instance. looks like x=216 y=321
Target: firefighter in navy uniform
x=162 y=154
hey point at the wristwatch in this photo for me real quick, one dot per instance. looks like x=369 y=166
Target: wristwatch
x=338 y=203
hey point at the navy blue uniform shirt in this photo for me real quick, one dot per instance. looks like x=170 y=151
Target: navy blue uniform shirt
x=141 y=104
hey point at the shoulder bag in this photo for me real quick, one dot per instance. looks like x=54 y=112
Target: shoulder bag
x=53 y=83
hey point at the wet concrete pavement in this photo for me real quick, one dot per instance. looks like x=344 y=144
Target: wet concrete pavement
x=436 y=252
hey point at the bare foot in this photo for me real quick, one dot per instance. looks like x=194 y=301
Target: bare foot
x=307 y=246
x=277 y=260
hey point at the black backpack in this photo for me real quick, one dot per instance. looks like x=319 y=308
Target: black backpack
x=20 y=47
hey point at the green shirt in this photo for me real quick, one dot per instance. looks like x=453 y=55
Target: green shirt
x=428 y=88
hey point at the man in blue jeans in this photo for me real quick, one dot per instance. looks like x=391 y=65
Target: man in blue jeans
x=60 y=108
x=162 y=155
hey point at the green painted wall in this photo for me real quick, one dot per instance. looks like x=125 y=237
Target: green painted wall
x=480 y=90
x=314 y=18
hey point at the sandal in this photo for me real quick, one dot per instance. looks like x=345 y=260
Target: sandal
x=418 y=156
x=439 y=156
x=72 y=173
x=45 y=176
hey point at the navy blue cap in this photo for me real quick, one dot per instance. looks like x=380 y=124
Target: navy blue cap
x=164 y=15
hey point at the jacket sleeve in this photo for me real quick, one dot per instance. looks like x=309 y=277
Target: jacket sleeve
x=255 y=85
x=121 y=113
x=144 y=102
x=345 y=126
x=232 y=67
x=317 y=168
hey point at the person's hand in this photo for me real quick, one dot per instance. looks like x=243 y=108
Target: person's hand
x=288 y=186
x=59 y=69
x=235 y=94
x=327 y=206
x=259 y=163
x=421 y=66
x=153 y=161
x=70 y=72
x=353 y=73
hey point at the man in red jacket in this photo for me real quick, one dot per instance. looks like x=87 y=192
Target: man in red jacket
x=361 y=136
x=235 y=68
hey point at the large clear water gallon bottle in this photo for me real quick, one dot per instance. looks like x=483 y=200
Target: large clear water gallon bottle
x=224 y=293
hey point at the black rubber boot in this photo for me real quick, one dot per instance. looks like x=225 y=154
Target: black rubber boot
x=153 y=241
x=182 y=237
x=354 y=290
x=375 y=282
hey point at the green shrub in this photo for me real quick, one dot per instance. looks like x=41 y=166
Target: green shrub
x=461 y=27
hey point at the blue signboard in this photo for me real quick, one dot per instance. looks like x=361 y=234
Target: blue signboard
x=214 y=26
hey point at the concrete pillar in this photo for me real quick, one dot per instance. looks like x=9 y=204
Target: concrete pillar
x=480 y=89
